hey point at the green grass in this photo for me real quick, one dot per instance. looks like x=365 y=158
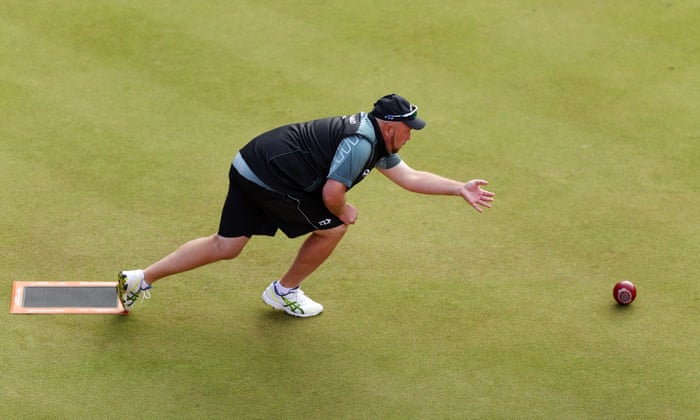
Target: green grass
x=118 y=121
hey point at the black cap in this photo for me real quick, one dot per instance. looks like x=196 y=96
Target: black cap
x=396 y=108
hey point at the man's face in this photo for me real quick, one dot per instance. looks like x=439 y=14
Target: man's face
x=396 y=135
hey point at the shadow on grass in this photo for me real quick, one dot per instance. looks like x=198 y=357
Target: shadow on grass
x=618 y=310
x=272 y=323
x=280 y=317
x=120 y=319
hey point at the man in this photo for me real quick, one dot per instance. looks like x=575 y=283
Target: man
x=295 y=178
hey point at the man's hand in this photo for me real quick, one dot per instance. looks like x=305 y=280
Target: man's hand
x=349 y=215
x=475 y=196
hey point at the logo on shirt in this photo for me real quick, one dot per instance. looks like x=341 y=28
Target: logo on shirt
x=366 y=172
x=324 y=222
x=344 y=149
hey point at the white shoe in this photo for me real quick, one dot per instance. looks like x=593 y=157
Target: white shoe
x=130 y=286
x=295 y=303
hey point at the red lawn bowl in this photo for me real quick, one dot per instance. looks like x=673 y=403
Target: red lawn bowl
x=624 y=292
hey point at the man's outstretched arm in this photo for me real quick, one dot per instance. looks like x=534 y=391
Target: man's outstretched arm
x=423 y=182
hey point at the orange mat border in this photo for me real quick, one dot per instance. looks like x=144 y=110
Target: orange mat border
x=18 y=297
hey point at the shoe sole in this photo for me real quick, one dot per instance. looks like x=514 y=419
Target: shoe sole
x=121 y=288
x=276 y=306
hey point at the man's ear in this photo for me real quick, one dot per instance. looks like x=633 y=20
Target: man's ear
x=388 y=130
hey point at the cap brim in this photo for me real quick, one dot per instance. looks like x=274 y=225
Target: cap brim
x=416 y=123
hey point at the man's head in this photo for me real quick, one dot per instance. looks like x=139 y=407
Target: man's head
x=396 y=118
x=396 y=108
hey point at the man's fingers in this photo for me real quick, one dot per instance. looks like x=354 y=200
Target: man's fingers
x=483 y=202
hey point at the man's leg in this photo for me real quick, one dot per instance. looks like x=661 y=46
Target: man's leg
x=282 y=295
x=313 y=252
x=195 y=253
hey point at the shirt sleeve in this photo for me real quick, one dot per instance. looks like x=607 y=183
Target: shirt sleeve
x=388 y=162
x=350 y=159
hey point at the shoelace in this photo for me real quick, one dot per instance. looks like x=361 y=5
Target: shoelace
x=299 y=296
x=145 y=294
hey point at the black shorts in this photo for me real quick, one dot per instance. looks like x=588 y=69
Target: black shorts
x=251 y=209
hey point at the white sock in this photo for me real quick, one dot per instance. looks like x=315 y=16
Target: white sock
x=281 y=290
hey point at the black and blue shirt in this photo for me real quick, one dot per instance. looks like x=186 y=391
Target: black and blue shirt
x=298 y=158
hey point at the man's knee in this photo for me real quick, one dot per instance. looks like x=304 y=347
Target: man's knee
x=229 y=248
x=333 y=233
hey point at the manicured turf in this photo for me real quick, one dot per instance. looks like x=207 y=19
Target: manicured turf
x=118 y=121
